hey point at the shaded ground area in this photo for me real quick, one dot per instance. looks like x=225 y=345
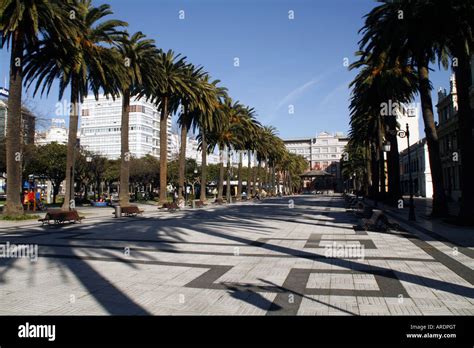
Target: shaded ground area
x=261 y=258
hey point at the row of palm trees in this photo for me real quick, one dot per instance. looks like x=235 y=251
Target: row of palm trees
x=400 y=39
x=75 y=43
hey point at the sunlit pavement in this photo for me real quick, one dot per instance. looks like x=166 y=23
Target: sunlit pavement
x=264 y=258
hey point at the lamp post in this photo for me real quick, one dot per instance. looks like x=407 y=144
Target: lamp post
x=386 y=147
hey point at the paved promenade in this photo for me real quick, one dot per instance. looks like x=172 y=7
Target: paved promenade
x=264 y=258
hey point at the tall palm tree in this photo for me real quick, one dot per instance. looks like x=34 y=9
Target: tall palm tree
x=170 y=84
x=384 y=31
x=207 y=122
x=22 y=22
x=380 y=81
x=82 y=64
x=457 y=37
x=138 y=56
x=265 y=151
x=247 y=130
x=193 y=106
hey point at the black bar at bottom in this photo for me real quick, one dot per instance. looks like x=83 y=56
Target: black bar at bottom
x=283 y=330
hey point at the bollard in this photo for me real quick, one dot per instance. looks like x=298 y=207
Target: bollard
x=118 y=211
x=194 y=204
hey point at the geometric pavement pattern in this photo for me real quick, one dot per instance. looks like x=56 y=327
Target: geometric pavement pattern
x=261 y=258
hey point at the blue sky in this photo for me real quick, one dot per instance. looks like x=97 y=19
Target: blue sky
x=283 y=62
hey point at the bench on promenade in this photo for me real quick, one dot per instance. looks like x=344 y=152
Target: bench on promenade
x=198 y=204
x=171 y=206
x=59 y=216
x=379 y=222
x=130 y=210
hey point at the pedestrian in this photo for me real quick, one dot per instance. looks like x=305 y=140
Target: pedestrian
x=31 y=199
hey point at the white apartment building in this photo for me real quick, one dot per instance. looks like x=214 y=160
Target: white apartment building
x=420 y=170
x=408 y=113
x=192 y=151
x=101 y=127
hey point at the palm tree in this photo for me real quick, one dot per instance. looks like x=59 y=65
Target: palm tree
x=384 y=31
x=208 y=121
x=193 y=105
x=82 y=63
x=266 y=148
x=457 y=37
x=379 y=81
x=138 y=55
x=21 y=23
x=247 y=130
x=170 y=84
x=223 y=136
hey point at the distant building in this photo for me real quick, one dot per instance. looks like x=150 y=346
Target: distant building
x=408 y=113
x=322 y=152
x=28 y=120
x=192 y=150
x=420 y=170
x=101 y=127
x=56 y=133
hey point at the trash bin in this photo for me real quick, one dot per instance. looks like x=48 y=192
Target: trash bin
x=118 y=211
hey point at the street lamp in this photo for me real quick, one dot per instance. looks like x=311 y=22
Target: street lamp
x=386 y=148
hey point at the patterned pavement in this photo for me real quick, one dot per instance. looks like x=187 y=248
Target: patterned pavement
x=261 y=258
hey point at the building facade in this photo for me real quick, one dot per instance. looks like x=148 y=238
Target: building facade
x=420 y=170
x=322 y=152
x=57 y=133
x=408 y=114
x=101 y=127
x=448 y=135
x=28 y=119
x=192 y=150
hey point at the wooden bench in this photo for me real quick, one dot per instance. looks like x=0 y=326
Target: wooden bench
x=61 y=216
x=171 y=207
x=217 y=201
x=199 y=204
x=131 y=210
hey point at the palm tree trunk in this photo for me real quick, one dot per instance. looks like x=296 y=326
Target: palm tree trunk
x=71 y=148
x=439 y=196
x=381 y=158
x=254 y=180
x=239 y=174
x=203 y=166
x=368 y=163
x=13 y=204
x=466 y=145
x=249 y=174
x=163 y=150
x=393 y=164
x=374 y=166
x=220 y=189
x=258 y=181
x=124 y=196
x=182 y=161
x=290 y=183
x=229 y=177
